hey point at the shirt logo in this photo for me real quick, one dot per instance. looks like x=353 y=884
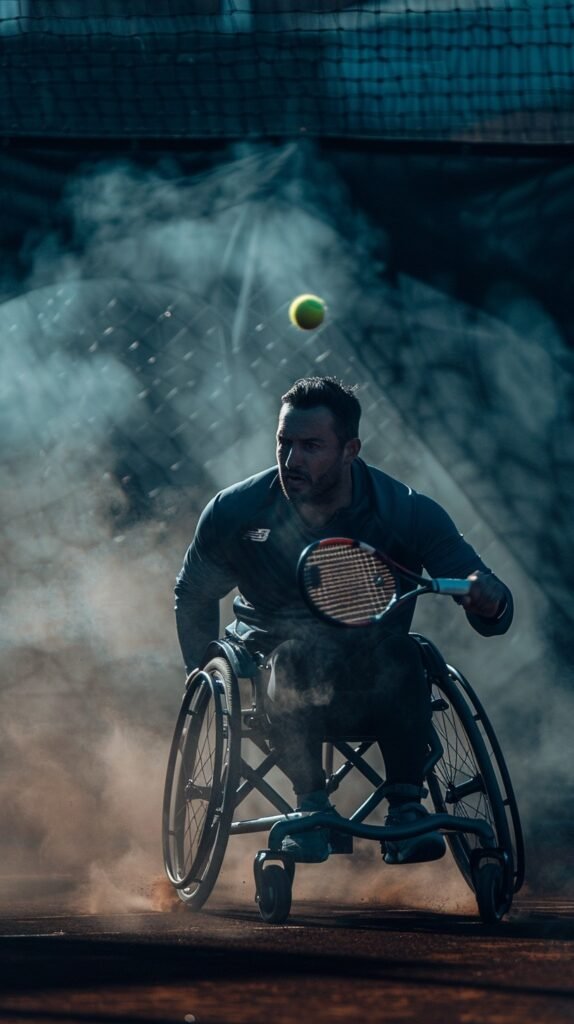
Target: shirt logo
x=258 y=535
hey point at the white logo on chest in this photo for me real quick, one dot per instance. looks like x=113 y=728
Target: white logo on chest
x=258 y=535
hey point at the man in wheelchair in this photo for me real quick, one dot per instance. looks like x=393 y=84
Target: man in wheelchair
x=325 y=680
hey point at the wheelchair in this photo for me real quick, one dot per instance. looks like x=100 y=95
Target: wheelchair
x=208 y=778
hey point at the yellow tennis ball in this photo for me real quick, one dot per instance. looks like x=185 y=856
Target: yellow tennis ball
x=307 y=312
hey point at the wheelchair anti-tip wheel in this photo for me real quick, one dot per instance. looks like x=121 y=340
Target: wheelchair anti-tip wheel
x=201 y=782
x=274 y=895
x=470 y=779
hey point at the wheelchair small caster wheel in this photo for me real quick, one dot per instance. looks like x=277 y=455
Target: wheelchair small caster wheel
x=488 y=883
x=274 y=896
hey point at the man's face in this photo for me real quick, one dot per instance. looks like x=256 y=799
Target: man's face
x=311 y=459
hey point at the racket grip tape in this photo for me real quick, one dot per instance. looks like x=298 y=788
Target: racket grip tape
x=457 y=588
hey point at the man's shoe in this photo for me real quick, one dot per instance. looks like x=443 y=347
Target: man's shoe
x=310 y=847
x=417 y=849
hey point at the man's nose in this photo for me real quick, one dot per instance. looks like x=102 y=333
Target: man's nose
x=292 y=459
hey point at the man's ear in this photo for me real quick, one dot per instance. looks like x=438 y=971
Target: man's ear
x=351 y=449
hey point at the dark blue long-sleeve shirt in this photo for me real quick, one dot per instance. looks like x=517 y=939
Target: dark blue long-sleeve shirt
x=250 y=536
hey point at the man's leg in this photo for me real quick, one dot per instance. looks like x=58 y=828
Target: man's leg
x=391 y=700
x=295 y=709
x=403 y=723
x=403 y=734
x=296 y=699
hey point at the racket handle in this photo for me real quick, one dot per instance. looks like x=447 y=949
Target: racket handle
x=457 y=588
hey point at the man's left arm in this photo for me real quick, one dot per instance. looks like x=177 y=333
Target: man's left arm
x=444 y=552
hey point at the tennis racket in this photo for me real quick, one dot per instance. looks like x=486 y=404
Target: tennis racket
x=349 y=583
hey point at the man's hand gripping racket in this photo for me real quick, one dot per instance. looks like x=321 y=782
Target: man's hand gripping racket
x=349 y=583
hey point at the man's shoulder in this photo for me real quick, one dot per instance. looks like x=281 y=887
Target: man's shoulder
x=409 y=520
x=387 y=487
x=394 y=495
x=259 y=486
x=247 y=496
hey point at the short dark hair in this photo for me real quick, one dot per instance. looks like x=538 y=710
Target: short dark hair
x=308 y=392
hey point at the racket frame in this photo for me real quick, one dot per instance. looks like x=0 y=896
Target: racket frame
x=424 y=584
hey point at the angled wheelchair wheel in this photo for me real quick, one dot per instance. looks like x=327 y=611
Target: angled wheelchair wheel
x=489 y=890
x=274 y=897
x=201 y=782
x=470 y=779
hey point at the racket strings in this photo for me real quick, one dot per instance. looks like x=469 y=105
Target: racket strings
x=349 y=584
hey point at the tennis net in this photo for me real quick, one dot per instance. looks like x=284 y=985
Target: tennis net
x=468 y=70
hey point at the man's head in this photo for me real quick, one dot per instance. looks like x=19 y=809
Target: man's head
x=317 y=439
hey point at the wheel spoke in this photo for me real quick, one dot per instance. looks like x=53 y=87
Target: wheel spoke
x=202 y=777
x=455 y=792
x=464 y=781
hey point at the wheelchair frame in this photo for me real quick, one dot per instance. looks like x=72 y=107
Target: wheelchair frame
x=200 y=801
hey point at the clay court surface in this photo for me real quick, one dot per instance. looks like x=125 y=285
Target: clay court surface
x=364 y=959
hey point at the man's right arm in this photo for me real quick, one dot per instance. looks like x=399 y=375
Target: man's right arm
x=204 y=579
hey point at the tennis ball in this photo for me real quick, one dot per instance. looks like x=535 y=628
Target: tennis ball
x=307 y=312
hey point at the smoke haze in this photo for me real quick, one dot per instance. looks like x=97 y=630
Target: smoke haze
x=140 y=371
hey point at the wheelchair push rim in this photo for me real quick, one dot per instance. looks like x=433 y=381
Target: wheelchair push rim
x=464 y=782
x=201 y=782
x=504 y=782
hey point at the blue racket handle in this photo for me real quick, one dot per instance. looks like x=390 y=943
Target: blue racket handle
x=458 y=588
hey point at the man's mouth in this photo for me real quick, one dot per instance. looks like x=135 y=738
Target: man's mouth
x=296 y=478
x=294 y=482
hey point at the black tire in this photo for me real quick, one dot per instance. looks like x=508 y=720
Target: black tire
x=463 y=781
x=274 y=897
x=488 y=886
x=201 y=782
x=502 y=776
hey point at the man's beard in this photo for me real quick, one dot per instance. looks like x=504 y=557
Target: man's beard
x=320 y=493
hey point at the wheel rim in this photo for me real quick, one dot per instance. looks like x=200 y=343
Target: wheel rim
x=197 y=778
x=502 y=776
x=463 y=781
x=202 y=778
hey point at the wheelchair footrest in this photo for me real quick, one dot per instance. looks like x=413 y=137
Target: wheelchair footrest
x=340 y=842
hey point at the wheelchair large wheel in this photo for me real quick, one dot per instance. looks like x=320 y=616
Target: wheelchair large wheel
x=201 y=782
x=470 y=779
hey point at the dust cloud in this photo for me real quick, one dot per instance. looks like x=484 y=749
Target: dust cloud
x=140 y=372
